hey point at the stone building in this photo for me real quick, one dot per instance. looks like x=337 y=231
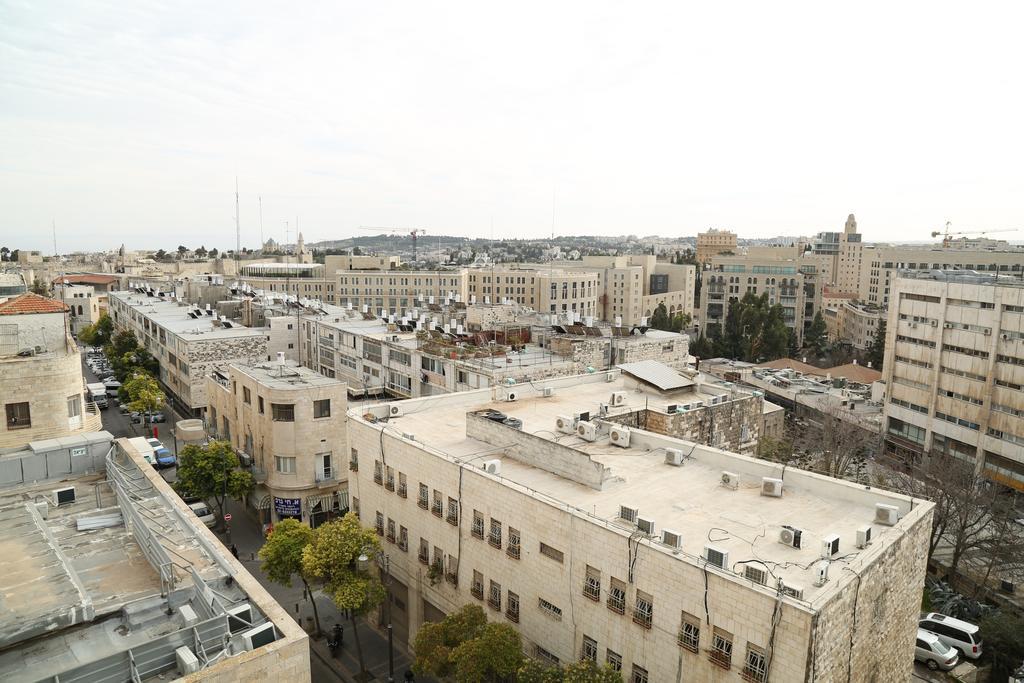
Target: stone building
x=714 y=242
x=290 y=423
x=667 y=559
x=854 y=323
x=84 y=304
x=40 y=374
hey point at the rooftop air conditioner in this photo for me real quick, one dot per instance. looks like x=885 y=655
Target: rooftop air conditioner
x=730 y=480
x=241 y=617
x=618 y=398
x=565 y=424
x=186 y=661
x=716 y=557
x=771 y=487
x=886 y=514
x=511 y=395
x=587 y=431
x=491 y=467
x=64 y=496
x=935 y=323
x=684 y=408
x=645 y=525
x=755 y=574
x=672 y=409
x=792 y=591
x=620 y=437
x=822 y=577
x=671 y=538
x=394 y=410
x=259 y=636
x=790 y=536
x=244 y=459
x=947 y=326
x=548 y=392
x=829 y=546
x=864 y=536
x=629 y=514
x=674 y=457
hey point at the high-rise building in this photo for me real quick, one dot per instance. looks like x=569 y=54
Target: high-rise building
x=714 y=242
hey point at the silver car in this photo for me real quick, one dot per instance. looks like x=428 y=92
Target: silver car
x=933 y=652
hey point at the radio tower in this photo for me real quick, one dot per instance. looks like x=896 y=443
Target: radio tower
x=238 y=229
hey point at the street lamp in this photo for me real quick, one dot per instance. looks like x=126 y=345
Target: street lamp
x=384 y=565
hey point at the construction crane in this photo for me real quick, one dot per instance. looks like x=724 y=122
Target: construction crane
x=947 y=235
x=414 y=233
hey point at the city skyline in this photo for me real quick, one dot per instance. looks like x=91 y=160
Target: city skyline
x=125 y=122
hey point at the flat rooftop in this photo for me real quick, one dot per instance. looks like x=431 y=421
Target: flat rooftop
x=690 y=500
x=285 y=375
x=174 y=317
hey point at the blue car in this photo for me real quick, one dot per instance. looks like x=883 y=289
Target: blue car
x=164 y=458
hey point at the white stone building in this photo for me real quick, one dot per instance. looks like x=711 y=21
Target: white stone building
x=593 y=544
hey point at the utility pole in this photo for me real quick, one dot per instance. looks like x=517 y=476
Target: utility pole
x=260 y=197
x=238 y=229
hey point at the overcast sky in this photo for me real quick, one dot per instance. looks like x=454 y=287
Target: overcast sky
x=128 y=121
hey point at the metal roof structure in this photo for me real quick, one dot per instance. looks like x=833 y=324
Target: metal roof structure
x=656 y=374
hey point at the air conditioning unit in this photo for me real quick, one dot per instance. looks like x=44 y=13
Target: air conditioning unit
x=829 y=546
x=755 y=574
x=629 y=514
x=947 y=326
x=64 y=496
x=935 y=323
x=491 y=466
x=1006 y=585
x=674 y=457
x=987 y=331
x=864 y=536
x=620 y=436
x=395 y=410
x=822 y=578
x=886 y=514
x=618 y=398
x=1004 y=337
x=671 y=538
x=672 y=409
x=241 y=617
x=511 y=395
x=587 y=431
x=645 y=525
x=792 y=591
x=186 y=661
x=913 y=326
x=730 y=480
x=259 y=636
x=684 y=408
x=716 y=557
x=548 y=392
x=565 y=424
x=771 y=487
x=790 y=536
x=189 y=618
x=244 y=459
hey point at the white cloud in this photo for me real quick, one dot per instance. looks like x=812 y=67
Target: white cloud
x=128 y=121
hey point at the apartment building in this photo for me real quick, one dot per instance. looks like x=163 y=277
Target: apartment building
x=843 y=253
x=714 y=242
x=399 y=290
x=188 y=341
x=85 y=305
x=290 y=424
x=40 y=374
x=854 y=323
x=662 y=557
x=547 y=290
x=954 y=370
x=305 y=280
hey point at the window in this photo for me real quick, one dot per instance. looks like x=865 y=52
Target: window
x=545 y=656
x=424 y=499
x=378 y=472
x=592 y=584
x=617 y=596
x=403 y=486
x=639 y=675
x=478 y=525
x=424 y=553
x=689 y=633
x=74 y=405
x=755 y=668
x=282 y=412
x=246 y=396
x=322 y=408
x=721 y=648
x=379 y=524
x=353 y=460
x=453 y=511
x=259 y=402
x=589 y=651
x=392 y=536
x=614 y=660
x=285 y=465
x=403 y=538
x=494 y=596
x=548 y=551
x=389 y=481
x=477 y=587
x=494 y=538
x=643 y=611
x=549 y=609
x=437 y=508
x=512 y=607
x=513 y=543
x=18 y=416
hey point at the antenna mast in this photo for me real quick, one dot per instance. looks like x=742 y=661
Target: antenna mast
x=261 y=220
x=238 y=226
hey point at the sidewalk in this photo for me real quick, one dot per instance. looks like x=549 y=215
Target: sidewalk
x=248 y=537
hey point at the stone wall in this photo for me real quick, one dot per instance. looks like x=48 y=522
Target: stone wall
x=45 y=382
x=204 y=355
x=721 y=426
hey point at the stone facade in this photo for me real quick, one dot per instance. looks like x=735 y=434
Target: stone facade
x=734 y=425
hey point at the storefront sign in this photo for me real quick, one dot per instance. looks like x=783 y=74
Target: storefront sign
x=288 y=507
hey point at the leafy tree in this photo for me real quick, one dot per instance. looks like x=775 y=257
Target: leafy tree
x=332 y=558
x=702 y=348
x=776 y=450
x=214 y=252
x=494 y=655
x=587 y=671
x=876 y=352
x=792 y=347
x=143 y=392
x=211 y=472
x=99 y=333
x=532 y=671
x=816 y=337
x=39 y=287
x=4 y=253
x=660 y=320
x=160 y=255
x=200 y=252
x=436 y=642
x=1001 y=633
x=13 y=256
x=181 y=251
x=754 y=330
x=281 y=556
x=356 y=251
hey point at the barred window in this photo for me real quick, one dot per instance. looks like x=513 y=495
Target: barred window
x=494 y=538
x=494 y=599
x=643 y=611
x=689 y=633
x=513 y=543
x=589 y=652
x=639 y=674
x=545 y=656
x=614 y=660
x=549 y=609
x=512 y=607
x=721 y=648
x=592 y=584
x=756 y=666
x=403 y=538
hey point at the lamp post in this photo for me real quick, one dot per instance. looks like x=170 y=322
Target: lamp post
x=384 y=565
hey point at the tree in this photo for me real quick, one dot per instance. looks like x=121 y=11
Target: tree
x=702 y=348
x=754 y=331
x=281 y=557
x=876 y=352
x=835 y=446
x=143 y=393
x=332 y=558
x=211 y=472
x=792 y=347
x=214 y=252
x=39 y=287
x=4 y=254
x=816 y=337
x=200 y=252
x=356 y=251
x=436 y=642
x=99 y=333
x=494 y=655
x=160 y=255
x=660 y=320
x=1001 y=633
x=586 y=671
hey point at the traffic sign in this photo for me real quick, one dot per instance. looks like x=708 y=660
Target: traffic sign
x=227 y=517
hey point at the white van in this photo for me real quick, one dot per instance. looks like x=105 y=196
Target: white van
x=204 y=514
x=962 y=635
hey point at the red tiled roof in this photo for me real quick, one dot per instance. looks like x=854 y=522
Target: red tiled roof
x=86 y=279
x=31 y=303
x=856 y=373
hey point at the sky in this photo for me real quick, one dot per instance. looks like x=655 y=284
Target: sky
x=130 y=121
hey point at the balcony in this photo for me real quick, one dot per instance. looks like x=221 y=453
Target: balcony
x=259 y=475
x=326 y=478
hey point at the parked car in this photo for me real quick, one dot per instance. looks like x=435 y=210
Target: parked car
x=164 y=458
x=933 y=652
x=137 y=417
x=101 y=402
x=124 y=408
x=204 y=514
x=962 y=635
x=111 y=384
